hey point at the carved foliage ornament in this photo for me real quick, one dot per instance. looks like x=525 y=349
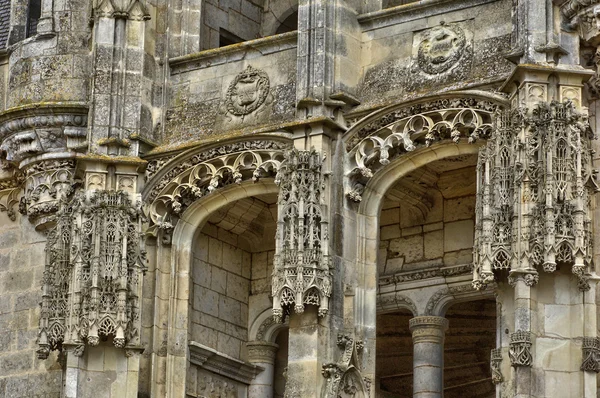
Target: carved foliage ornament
x=441 y=48
x=422 y=126
x=247 y=92
x=302 y=263
x=92 y=281
x=496 y=365
x=535 y=176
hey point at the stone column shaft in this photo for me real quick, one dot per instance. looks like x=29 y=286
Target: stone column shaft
x=428 y=360
x=263 y=354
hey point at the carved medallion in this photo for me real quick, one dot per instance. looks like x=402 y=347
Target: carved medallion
x=441 y=48
x=247 y=92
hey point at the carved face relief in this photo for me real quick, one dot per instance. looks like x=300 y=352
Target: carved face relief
x=247 y=92
x=441 y=48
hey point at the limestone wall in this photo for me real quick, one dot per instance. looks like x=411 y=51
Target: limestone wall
x=202 y=85
x=21 y=272
x=392 y=42
x=443 y=236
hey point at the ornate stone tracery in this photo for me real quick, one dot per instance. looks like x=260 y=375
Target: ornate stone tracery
x=534 y=182
x=377 y=143
x=591 y=354
x=302 y=263
x=205 y=172
x=92 y=281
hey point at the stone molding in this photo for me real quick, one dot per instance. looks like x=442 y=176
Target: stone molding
x=428 y=329
x=262 y=352
x=520 y=349
x=222 y=364
x=402 y=277
x=394 y=301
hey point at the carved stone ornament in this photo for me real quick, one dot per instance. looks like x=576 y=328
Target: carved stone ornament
x=92 y=282
x=591 y=354
x=408 y=129
x=496 y=365
x=535 y=176
x=441 y=48
x=206 y=172
x=343 y=377
x=247 y=92
x=46 y=184
x=11 y=181
x=520 y=349
x=301 y=273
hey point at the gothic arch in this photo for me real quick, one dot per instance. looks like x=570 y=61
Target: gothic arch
x=265 y=328
x=179 y=268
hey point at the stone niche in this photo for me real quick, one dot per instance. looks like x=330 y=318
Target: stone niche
x=427 y=219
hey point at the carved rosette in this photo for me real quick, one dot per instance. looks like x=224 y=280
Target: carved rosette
x=534 y=182
x=520 y=349
x=46 y=184
x=302 y=263
x=496 y=365
x=92 y=282
x=591 y=354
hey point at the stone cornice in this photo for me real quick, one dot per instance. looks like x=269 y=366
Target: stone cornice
x=222 y=55
x=222 y=364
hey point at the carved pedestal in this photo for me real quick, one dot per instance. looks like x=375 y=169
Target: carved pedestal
x=428 y=363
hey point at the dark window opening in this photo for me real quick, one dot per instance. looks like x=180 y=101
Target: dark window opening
x=227 y=38
x=289 y=24
x=34 y=11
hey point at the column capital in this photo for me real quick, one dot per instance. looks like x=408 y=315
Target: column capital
x=428 y=329
x=262 y=352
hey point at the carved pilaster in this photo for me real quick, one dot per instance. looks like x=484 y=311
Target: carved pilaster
x=301 y=272
x=520 y=349
x=591 y=354
x=93 y=277
x=495 y=365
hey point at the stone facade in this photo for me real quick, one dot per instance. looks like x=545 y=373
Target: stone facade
x=277 y=199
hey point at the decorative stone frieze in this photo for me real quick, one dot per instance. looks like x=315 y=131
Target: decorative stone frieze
x=376 y=144
x=496 y=365
x=301 y=273
x=46 y=184
x=520 y=349
x=535 y=176
x=204 y=173
x=591 y=354
x=343 y=378
x=93 y=277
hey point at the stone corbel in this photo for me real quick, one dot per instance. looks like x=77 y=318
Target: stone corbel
x=520 y=349
x=591 y=354
x=496 y=365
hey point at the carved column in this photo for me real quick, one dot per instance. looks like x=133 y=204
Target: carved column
x=428 y=334
x=262 y=353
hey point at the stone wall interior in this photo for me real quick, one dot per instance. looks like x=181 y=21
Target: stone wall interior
x=295 y=199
